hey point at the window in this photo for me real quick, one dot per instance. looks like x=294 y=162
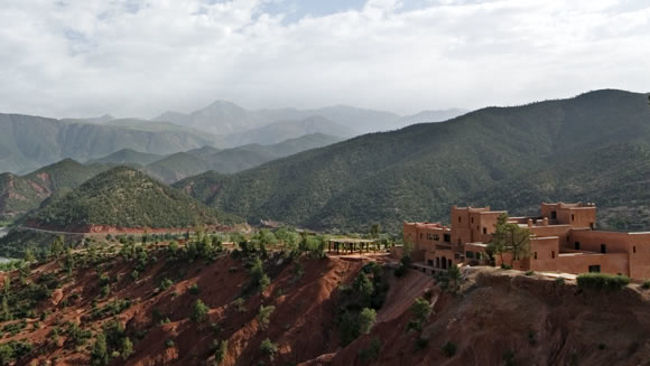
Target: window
x=573 y=217
x=447 y=238
x=591 y=225
x=603 y=248
x=478 y=255
x=634 y=249
x=576 y=245
x=436 y=237
x=437 y=262
x=552 y=253
x=472 y=220
x=421 y=235
x=594 y=268
x=535 y=255
x=430 y=262
x=449 y=264
x=484 y=230
x=458 y=218
x=469 y=254
x=553 y=215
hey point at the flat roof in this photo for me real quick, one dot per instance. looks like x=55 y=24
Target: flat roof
x=351 y=240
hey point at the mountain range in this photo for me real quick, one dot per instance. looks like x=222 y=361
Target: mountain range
x=21 y=194
x=593 y=147
x=28 y=142
x=267 y=126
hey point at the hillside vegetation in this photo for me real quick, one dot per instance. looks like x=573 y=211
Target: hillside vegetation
x=592 y=147
x=127 y=198
x=181 y=165
x=20 y=194
x=274 y=301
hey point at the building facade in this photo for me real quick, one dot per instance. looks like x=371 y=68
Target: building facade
x=563 y=239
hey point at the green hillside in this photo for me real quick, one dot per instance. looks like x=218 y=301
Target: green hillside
x=178 y=166
x=592 y=147
x=20 y=194
x=125 y=197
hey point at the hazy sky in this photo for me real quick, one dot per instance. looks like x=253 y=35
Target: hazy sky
x=140 y=58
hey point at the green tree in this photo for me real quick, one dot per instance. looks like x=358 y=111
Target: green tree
x=511 y=238
x=29 y=256
x=264 y=315
x=99 y=355
x=364 y=288
x=269 y=348
x=5 y=312
x=57 y=247
x=420 y=311
x=367 y=318
x=127 y=348
x=220 y=351
x=199 y=311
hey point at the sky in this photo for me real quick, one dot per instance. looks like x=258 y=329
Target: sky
x=139 y=58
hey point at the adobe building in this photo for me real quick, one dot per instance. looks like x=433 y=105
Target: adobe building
x=563 y=239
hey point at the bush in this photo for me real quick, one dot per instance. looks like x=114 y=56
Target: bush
x=420 y=311
x=169 y=343
x=127 y=348
x=220 y=351
x=194 y=289
x=165 y=284
x=199 y=312
x=449 y=349
x=99 y=355
x=268 y=348
x=645 y=285
x=366 y=320
x=264 y=315
x=602 y=281
x=529 y=273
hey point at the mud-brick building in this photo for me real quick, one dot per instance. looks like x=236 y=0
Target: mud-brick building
x=563 y=239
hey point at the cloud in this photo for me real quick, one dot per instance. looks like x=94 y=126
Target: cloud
x=139 y=57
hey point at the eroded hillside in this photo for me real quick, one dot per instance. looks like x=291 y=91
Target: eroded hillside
x=199 y=304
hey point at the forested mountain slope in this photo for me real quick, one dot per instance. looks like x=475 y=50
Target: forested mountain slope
x=126 y=198
x=563 y=149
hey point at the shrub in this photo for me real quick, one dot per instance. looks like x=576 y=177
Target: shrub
x=169 y=343
x=199 y=311
x=220 y=351
x=194 y=289
x=559 y=280
x=127 y=348
x=449 y=349
x=602 y=281
x=268 y=348
x=529 y=273
x=239 y=304
x=264 y=315
x=420 y=311
x=99 y=355
x=366 y=320
x=165 y=284
x=645 y=285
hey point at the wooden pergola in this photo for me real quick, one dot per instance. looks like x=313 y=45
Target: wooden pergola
x=351 y=245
